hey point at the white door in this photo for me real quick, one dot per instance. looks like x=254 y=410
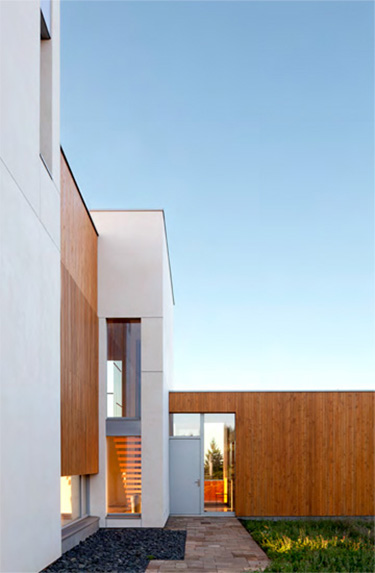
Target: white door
x=185 y=476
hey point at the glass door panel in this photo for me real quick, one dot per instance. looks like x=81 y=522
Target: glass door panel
x=219 y=462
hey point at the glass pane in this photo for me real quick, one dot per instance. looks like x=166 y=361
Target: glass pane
x=219 y=460
x=123 y=368
x=70 y=499
x=184 y=424
x=114 y=392
x=124 y=491
x=84 y=496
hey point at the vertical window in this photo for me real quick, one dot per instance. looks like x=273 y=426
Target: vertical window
x=123 y=368
x=45 y=97
x=73 y=498
x=124 y=491
x=219 y=462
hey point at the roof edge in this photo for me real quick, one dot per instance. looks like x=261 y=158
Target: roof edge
x=168 y=256
x=165 y=234
x=78 y=189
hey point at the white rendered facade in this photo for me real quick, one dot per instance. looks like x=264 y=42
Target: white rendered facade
x=29 y=289
x=134 y=282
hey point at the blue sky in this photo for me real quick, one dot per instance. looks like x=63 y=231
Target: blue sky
x=252 y=125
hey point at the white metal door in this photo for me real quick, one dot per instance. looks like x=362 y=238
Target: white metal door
x=185 y=476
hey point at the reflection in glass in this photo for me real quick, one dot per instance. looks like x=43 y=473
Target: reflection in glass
x=219 y=462
x=70 y=498
x=124 y=481
x=123 y=368
x=184 y=424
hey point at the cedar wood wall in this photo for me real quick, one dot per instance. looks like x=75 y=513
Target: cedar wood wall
x=79 y=333
x=297 y=453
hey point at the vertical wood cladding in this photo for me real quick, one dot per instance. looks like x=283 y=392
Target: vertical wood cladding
x=297 y=453
x=79 y=333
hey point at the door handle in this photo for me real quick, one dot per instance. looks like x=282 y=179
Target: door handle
x=198 y=482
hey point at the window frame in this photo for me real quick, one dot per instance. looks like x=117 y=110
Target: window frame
x=126 y=421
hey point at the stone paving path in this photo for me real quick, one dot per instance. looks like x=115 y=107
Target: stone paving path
x=214 y=545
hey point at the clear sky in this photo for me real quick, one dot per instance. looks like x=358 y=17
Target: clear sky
x=252 y=125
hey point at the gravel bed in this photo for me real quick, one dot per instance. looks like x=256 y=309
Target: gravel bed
x=121 y=551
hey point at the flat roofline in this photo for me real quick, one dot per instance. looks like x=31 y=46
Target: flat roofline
x=78 y=189
x=165 y=233
x=267 y=391
x=127 y=210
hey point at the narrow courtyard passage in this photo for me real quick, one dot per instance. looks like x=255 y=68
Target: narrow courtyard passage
x=214 y=545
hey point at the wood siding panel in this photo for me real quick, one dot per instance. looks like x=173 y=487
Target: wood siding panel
x=78 y=238
x=79 y=333
x=297 y=453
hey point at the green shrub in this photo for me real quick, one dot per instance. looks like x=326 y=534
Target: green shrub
x=316 y=545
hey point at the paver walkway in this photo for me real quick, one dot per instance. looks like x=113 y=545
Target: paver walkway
x=214 y=545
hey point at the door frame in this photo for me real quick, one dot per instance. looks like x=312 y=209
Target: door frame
x=201 y=439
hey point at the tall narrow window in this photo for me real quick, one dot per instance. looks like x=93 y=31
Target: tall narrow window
x=45 y=98
x=219 y=462
x=123 y=368
x=124 y=491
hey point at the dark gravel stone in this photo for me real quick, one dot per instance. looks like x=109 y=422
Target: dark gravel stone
x=121 y=551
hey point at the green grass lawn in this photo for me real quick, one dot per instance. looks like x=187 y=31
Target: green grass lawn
x=324 y=545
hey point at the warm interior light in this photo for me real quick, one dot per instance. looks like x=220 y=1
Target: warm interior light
x=124 y=474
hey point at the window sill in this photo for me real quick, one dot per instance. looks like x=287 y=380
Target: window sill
x=123 y=419
x=77 y=531
x=123 y=427
x=123 y=516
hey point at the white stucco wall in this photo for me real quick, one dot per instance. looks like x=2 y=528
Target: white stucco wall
x=168 y=303
x=130 y=263
x=98 y=490
x=30 y=531
x=134 y=282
